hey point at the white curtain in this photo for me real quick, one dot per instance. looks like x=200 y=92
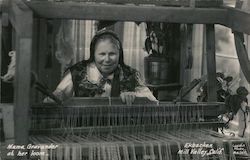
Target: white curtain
x=83 y=33
x=133 y=45
x=73 y=41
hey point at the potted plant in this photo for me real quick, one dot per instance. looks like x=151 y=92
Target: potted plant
x=159 y=64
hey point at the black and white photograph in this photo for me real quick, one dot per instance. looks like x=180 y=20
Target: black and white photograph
x=124 y=80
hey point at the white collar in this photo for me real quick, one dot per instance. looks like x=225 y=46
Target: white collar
x=94 y=75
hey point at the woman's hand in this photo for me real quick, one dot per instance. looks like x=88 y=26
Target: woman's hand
x=48 y=100
x=244 y=106
x=128 y=97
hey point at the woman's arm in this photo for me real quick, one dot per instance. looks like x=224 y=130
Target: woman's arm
x=64 y=90
x=141 y=90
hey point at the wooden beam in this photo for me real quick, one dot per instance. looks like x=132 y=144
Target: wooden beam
x=211 y=63
x=22 y=90
x=230 y=17
x=8 y=120
x=186 y=3
x=17 y=10
x=183 y=49
x=242 y=54
x=4 y=12
x=22 y=20
x=1 y=57
x=34 y=61
x=75 y=10
x=42 y=51
x=5 y=19
x=238 y=20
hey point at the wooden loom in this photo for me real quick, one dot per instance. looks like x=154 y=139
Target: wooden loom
x=108 y=129
x=171 y=117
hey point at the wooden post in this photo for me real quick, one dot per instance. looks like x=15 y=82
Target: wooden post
x=8 y=120
x=197 y=49
x=211 y=63
x=0 y=56
x=183 y=49
x=22 y=90
x=42 y=49
x=22 y=20
x=186 y=53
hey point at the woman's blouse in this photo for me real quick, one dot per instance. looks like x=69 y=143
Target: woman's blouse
x=85 y=80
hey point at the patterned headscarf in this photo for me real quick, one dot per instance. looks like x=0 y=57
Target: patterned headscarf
x=105 y=35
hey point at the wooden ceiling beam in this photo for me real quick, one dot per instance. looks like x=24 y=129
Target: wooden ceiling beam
x=233 y=18
x=93 y=11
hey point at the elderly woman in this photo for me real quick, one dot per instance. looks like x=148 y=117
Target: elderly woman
x=104 y=74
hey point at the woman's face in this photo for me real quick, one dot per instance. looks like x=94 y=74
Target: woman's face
x=106 y=57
